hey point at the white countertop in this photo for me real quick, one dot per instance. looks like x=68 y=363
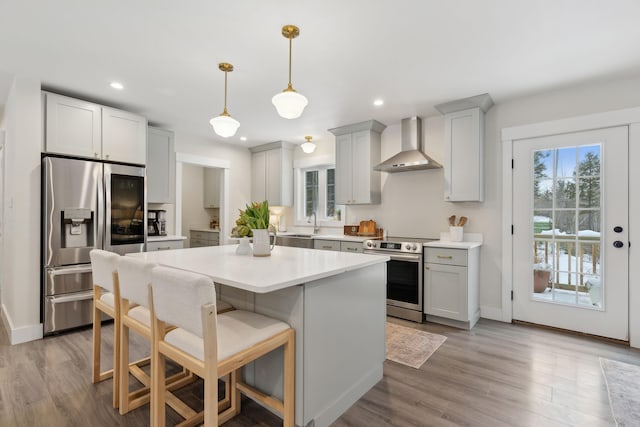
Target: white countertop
x=285 y=267
x=452 y=245
x=339 y=237
x=206 y=230
x=164 y=238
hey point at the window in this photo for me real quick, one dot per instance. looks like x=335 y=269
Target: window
x=316 y=190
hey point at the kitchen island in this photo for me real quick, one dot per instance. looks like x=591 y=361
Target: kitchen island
x=336 y=303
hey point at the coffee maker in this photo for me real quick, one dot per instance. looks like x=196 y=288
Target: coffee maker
x=156 y=222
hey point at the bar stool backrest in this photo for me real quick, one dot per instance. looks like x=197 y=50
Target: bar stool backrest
x=103 y=266
x=134 y=276
x=179 y=295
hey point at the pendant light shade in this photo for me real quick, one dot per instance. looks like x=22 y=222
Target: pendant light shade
x=289 y=103
x=224 y=125
x=308 y=147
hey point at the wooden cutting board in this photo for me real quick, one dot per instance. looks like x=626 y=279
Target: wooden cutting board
x=367 y=228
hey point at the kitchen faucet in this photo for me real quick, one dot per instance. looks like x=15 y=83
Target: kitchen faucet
x=315 y=223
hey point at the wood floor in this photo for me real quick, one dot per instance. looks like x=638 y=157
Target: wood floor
x=494 y=375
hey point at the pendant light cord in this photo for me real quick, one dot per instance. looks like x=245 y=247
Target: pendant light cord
x=290 y=53
x=225 y=95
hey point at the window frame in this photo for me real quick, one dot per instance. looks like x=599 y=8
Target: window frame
x=299 y=196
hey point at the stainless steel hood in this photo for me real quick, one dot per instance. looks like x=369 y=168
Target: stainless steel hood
x=411 y=157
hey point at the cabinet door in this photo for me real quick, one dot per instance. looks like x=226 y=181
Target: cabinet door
x=343 y=169
x=327 y=245
x=124 y=136
x=274 y=177
x=446 y=291
x=463 y=156
x=211 y=186
x=258 y=176
x=161 y=166
x=354 y=247
x=72 y=127
x=361 y=167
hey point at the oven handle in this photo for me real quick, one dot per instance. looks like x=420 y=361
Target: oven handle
x=396 y=257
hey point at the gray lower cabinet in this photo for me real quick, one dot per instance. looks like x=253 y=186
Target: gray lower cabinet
x=355 y=247
x=326 y=245
x=337 y=245
x=200 y=238
x=164 y=245
x=451 y=294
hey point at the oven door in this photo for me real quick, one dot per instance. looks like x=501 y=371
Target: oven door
x=404 y=280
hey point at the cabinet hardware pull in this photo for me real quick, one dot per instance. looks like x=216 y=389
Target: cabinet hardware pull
x=326 y=247
x=165 y=248
x=445 y=257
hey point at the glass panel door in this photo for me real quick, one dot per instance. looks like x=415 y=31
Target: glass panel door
x=566 y=224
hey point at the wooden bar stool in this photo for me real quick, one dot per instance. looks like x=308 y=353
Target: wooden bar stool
x=105 y=294
x=212 y=346
x=134 y=277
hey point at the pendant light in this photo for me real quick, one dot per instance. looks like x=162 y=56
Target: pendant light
x=308 y=147
x=225 y=125
x=290 y=103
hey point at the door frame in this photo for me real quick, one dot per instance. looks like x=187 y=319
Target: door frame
x=208 y=162
x=511 y=135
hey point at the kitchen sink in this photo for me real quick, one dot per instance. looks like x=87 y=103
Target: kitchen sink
x=296 y=240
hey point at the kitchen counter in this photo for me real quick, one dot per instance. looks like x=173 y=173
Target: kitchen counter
x=285 y=267
x=165 y=238
x=335 y=301
x=338 y=237
x=452 y=245
x=206 y=230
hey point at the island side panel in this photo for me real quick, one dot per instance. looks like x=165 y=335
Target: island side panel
x=266 y=372
x=344 y=341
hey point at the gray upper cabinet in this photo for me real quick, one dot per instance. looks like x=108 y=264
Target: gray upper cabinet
x=124 y=136
x=161 y=166
x=272 y=173
x=72 y=126
x=464 y=141
x=83 y=129
x=211 y=185
x=357 y=152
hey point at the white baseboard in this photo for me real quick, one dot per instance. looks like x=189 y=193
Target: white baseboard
x=492 y=313
x=21 y=334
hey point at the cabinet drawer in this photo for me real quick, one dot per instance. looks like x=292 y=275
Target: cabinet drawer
x=205 y=235
x=198 y=243
x=164 y=245
x=446 y=256
x=327 y=245
x=354 y=247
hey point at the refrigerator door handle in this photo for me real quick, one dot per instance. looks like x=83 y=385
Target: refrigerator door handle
x=76 y=296
x=61 y=271
x=100 y=223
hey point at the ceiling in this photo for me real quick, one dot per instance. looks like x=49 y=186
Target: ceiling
x=412 y=54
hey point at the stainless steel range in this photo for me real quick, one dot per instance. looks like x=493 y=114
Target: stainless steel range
x=404 y=274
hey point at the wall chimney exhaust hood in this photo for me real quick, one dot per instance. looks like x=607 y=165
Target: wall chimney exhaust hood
x=411 y=157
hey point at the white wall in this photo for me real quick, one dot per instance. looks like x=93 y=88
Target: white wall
x=240 y=170
x=21 y=263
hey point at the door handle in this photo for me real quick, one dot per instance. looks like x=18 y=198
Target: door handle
x=618 y=244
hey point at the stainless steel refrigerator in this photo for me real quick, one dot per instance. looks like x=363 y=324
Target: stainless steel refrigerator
x=85 y=205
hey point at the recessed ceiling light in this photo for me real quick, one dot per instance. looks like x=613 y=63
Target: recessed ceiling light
x=116 y=85
x=243 y=138
x=378 y=102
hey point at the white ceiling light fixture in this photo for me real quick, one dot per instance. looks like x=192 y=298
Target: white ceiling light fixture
x=225 y=125
x=243 y=138
x=289 y=103
x=308 y=147
x=116 y=85
x=378 y=102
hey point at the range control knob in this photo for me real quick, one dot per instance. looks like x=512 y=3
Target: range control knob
x=369 y=244
x=414 y=247
x=408 y=246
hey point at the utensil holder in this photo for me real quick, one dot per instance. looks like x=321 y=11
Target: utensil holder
x=456 y=234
